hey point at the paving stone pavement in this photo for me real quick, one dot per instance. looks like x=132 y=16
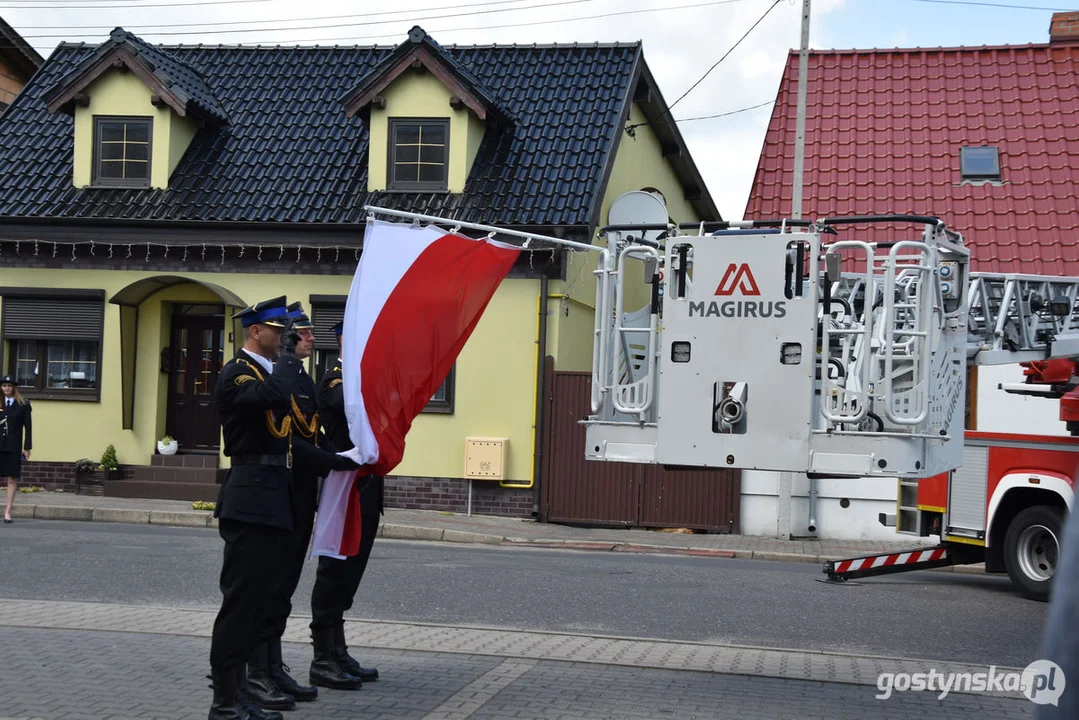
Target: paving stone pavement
x=67 y=660
x=58 y=674
x=523 y=645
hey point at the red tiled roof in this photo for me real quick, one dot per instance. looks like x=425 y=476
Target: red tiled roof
x=883 y=133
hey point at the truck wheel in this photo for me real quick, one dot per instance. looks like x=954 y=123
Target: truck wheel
x=1031 y=550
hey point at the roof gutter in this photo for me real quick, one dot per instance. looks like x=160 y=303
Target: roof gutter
x=232 y=225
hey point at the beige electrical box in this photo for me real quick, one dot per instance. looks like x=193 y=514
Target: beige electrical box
x=486 y=458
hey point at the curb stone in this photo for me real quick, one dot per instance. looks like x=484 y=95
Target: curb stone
x=410 y=532
x=179 y=518
x=563 y=544
x=63 y=512
x=661 y=549
x=118 y=515
x=785 y=557
x=463 y=536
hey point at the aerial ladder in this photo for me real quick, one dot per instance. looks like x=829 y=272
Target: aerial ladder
x=787 y=346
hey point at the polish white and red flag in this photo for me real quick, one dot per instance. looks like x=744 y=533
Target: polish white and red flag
x=417 y=295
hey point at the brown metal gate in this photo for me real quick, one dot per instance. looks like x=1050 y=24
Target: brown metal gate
x=580 y=491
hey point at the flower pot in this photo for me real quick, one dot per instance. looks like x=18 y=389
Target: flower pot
x=90 y=483
x=167 y=448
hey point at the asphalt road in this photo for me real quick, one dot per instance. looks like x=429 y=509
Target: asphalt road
x=930 y=615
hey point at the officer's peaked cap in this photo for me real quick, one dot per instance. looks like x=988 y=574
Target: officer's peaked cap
x=299 y=318
x=268 y=312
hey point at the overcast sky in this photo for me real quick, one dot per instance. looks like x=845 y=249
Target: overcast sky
x=682 y=39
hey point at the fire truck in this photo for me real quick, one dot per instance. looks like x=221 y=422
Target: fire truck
x=839 y=348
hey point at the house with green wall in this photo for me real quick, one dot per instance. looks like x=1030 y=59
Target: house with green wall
x=151 y=191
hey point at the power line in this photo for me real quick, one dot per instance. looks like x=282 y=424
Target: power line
x=58 y=4
x=337 y=25
x=725 y=114
x=994 y=5
x=759 y=20
x=140 y=6
x=631 y=127
x=532 y=23
x=280 y=20
x=433 y=31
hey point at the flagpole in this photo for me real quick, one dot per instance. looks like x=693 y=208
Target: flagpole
x=800 y=117
x=371 y=209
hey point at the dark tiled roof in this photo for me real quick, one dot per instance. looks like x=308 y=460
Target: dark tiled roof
x=418 y=39
x=181 y=79
x=290 y=154
x=883 y=133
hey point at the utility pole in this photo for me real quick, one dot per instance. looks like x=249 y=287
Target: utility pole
x=786 y=528
x=800 y=122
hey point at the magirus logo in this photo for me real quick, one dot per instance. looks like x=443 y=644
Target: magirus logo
x=738 y=278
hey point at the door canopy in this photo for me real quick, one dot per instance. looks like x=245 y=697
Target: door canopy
x=129 y=300
x=136 y=292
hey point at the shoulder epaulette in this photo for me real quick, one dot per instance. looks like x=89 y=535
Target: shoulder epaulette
x=244 y=378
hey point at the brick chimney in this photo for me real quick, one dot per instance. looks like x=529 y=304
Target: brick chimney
x=1064 y=27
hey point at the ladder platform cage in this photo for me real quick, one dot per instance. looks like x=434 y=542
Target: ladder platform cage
x=783 y=345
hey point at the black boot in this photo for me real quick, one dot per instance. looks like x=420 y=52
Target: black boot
x=278 y=670
x=254 y=712
x=347 y=661
x=261 y=687
x=227 y=704
x=326 y=669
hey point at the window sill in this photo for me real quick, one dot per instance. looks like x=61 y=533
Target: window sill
x=118 y=186
x=62 y=395
x=441 y=409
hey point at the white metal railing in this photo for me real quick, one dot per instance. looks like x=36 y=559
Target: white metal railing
x=846 y=398
x=601 y=347
x=906 y=323
x=633 y=395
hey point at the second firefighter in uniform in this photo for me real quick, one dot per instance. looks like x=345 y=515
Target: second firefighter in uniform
x=336 y=581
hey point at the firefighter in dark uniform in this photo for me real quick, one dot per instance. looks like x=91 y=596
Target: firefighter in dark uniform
x=267 y=674
x=254 y=504
x=336 y=581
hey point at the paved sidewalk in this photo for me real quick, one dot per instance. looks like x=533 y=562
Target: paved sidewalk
x=486 y=529
x=536 y=645
x=109 y=675
x=126 y=661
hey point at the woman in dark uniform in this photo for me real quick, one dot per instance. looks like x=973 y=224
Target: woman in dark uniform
x=15 y=439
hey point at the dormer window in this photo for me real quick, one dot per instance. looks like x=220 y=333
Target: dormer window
x=411 y=102
x=122 y=151
x=979 y=163
x=419 y=154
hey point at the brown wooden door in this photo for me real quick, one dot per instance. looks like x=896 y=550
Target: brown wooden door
x=197 y=354
x=578 y=490
x=586 y=492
